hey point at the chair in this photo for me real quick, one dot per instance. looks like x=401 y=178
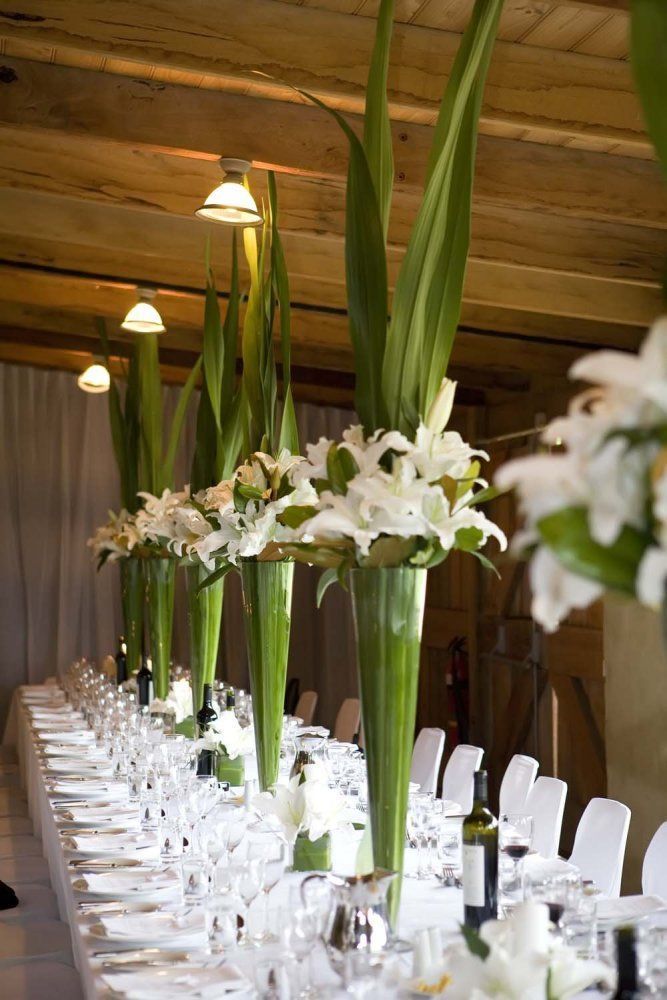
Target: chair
x=43 y=980
x=546 y=804
x=305 y=707
x=518 y=779
x=457 y=781
x=599 y=844
x=347 y=721
x=36 y=902
x=38 y=939
x=654 y=869
x=426 y=757
x=14 y=871
x=22 y=846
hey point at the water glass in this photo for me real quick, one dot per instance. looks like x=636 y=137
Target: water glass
x=272 y=980
x=194 y=871
x=221 y=922
x=579 y=925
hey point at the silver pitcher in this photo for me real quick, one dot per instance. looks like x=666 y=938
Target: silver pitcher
x=358 y=922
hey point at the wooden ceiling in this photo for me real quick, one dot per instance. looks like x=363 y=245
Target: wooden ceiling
x=112 y=117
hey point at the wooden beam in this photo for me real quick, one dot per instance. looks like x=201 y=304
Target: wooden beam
x=41 y=227
x=117 y=174
x=328 y=54
x=299 y=139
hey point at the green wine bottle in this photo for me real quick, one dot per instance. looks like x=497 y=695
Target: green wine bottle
x=627 y=984
x=480 y=858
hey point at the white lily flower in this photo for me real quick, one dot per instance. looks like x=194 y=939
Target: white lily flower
x=436 y=455
x=306 y=805
x=116 y=538
x=556 y=591
x=155 y=521
x=441 y=407
x=228 y=736
x=651 y=580
x=643 y=375
x=179 y=699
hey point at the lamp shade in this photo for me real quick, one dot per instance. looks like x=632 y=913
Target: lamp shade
x=94 y=379
x=231 y=202
x=144 y=317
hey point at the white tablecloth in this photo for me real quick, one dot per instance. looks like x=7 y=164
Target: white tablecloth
x=424 y=904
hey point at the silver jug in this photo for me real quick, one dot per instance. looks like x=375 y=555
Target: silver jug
x=358 y=922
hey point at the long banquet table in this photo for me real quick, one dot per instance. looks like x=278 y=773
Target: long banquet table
x=424 y=904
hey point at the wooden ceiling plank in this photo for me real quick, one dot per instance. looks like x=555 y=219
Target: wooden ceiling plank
x=298 y=139
x=53 y=222
x=571 y=93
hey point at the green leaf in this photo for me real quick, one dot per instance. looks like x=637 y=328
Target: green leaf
x=468 y=539
x=219 y=574
x=289 y=434
x=567 y=534
x=390 y=551
x=167 y=470
x=335 y=471
x=377 y=127
x=483 y=496
x=294 y=517
x=475 y=944
x=213 y=347
x=204 y=460
x=326 y=579
x=487 y=563
x=150 y=393
x=348 y=464
x=648 y=53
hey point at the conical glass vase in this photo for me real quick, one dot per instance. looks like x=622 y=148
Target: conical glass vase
x=388 y=607
x=160 y=578
x=204 y=620
x=133 y=595
x=267 y=606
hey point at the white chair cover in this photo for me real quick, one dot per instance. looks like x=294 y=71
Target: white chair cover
x=306 y=706
x=34 y=940
x=546 y=804
x=599 y=844
x=457 y=781
x=13 y=871
x=426 y=757
x=36 y=902
x=347 y=720
x=518 y=779
x=654 y=870
x=22 y=846
x=41 y=981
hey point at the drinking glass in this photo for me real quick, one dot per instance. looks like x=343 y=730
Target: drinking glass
x=271 y=848
x=557 y=888
x=221 y=922
x=271 y=980
x=247 y=879
x=579 y=925
x=195 y=878
x=515 y=836
x=300 y=936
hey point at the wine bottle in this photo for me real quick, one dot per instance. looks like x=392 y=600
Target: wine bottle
x=231 y=700
x=121 y=661
x=144 y=682
x=480 y=858
x=206 y=716
x=627 y=984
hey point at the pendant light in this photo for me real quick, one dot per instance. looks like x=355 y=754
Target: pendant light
x=231 y=203
x=95 y=378
x=144 y=317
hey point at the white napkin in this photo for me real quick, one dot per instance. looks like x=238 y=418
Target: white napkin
x=117 y=814
x=87 y=789
x=55 y=712
x=156 y=984
x=74 y=752
x=70 y=765
x=130 y=882
x=81 y=736
x=189 y=930
x=628 y=908
x=104 y=843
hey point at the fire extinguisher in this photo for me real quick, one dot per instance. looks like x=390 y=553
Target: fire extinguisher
x=457 y=690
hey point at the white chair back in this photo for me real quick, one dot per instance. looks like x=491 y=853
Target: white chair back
x=654 y=870
x=518 y=779
x=305 y=707
x=546 y=804
x=426 y=758
x=599 y=844
x=347 y=720
x=457 y=781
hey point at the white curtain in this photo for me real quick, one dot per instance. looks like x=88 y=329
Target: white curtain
x=58 y=481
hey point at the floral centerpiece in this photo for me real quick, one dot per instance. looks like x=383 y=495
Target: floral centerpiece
x=517 y=959
x=118 y=541
x=307 y=810
x=178 y=704
x=230 y=742
x=583 y=539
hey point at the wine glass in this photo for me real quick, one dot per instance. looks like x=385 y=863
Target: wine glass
x=272 y=849
x=515 y=836
x=300 y=935
x=556 y=887
x=247 y=879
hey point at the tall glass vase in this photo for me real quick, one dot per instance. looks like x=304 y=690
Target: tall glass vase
x=267 y=605
x=132 y=592
x=388 y=607
x=160 y=579
x=204 y=618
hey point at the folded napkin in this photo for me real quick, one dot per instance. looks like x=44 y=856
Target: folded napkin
x=54 y=712
x=81 y=736
x=85 y=789
x=190 y=981
x=189 y=929
x=127 y=816
x=82 y=768
x=628 y=908
x=106 y=843
x=129 y=882
x=74 y=752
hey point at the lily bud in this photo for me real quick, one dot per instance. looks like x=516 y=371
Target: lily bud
x=441 y=407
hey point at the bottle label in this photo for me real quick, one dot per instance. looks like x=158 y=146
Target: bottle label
x=473 y=875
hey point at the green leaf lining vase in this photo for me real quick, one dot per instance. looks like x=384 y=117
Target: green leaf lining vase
x=160 y=578
x=267 y=605
x=388 y=608
x=132 y=592
x=230 y=770
x=204 y=619
x=312 y=855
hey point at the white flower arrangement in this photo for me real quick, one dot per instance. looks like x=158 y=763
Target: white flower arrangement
x=115 y=539
x=158 y=519
x=517 y=959
x=388 y=501
x=596 y=513
x=306 y=805
x=228 y=736
x=178 y=701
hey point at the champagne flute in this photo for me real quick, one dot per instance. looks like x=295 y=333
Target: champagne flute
x=272 y=849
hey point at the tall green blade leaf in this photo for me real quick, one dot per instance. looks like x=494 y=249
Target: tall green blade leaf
x=204 y=460
x=252 y=344
x=150 y=392
x=377 y=128
x=648 y=51
x=230 y=334
x=213 y=346
x=167 y=469
x=289 y=435
x=132 y=430
x=116 y=420
x=232 y=437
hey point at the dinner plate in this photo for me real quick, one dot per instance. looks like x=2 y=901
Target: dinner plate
x=177 y=981
x=126 y=884
x=612 y=912
x=160 y=929
x=105 y=844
